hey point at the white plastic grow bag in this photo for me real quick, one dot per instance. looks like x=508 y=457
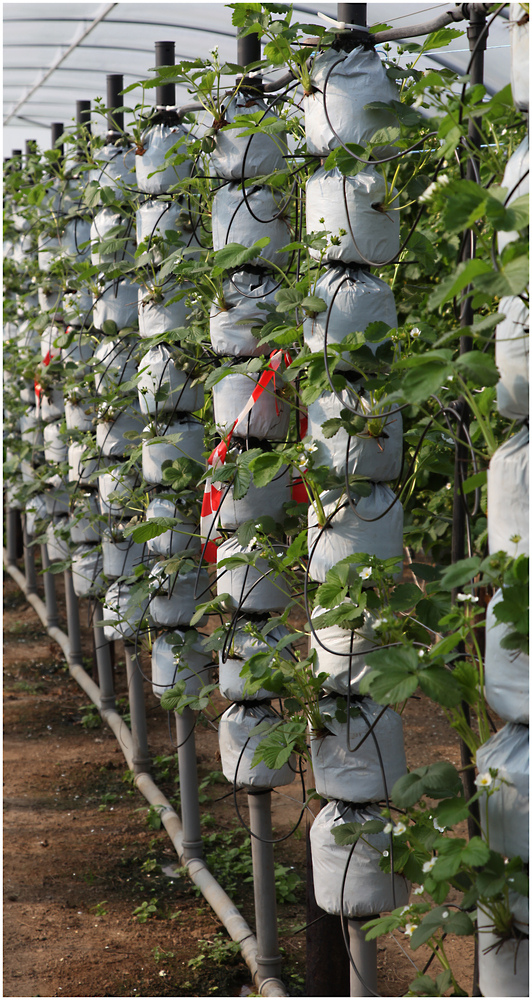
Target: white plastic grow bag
x=115 y=168
x=183 y=536
x=158 y=317
x=157 y=141
x=51 y=405
x=506 y=671
x=80 y=469
x=57 y=498
x=80 y=349
x=30 y=428
x=111 y=428
x=242 y=648
x=156 y=452
x=232 y=221
x=517 y=182
x=158 y=373
x=368 y=890
x=117 y=302
x=48 y=349
x=27 y=392
x=507 y=751
x=58 y=548
x=122 y=611
x=120 y=555
x=154 y=219
x=117 y=364
x=173 y=602
x=55 y=448
x=342 y=645
x=237 y=748
x=380 y=459
x=263 y=153
x=512 y=359
x=23 y=248
x=103 y=223
x=49 y=249
x=168 y=666
x=503 y=964
x=351 y=80
x=79 y=416
x=123 y=485
x=27 y=472
x=257 y=502
x=231 y=327
x=87 y=574
x=84 y=524
x=76 y=233
x=519 y=55
x=253 y=589
x=268 y=418
x=350 y=771
x=359 y=299
x=347 y=533
x=354 y=205
x=50 y=299
x=78 y=307
x=35 y=510
x=508 y=496
x=29 y=337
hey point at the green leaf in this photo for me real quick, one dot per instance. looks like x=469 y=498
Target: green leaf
x=452 y=285
x=150 y=529
x=242 y=480
x=475 y=481
x=393 y=686
x=440 y=685
x=476 y=852
x=419 y=383
x=265 y=468
x=405 y=596
x=439 y=39
x=460 y=572
x=449 y=812
x=236 y=255
x=478 y=368
x=313 y=304
x=439 y=780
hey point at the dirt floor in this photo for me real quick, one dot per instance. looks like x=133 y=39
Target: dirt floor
x=92 y=903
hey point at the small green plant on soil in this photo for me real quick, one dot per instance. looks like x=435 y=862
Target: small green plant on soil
x=108 y=798
x=91 y=718
x=160 y=955
x=99 y=909
x=146 y=910
x=217 y=950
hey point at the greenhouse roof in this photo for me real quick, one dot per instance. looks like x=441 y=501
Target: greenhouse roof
x=56 y=54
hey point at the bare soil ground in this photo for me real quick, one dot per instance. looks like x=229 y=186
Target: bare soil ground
x=80 y=857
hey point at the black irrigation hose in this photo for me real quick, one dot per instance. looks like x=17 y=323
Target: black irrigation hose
x=263 y=840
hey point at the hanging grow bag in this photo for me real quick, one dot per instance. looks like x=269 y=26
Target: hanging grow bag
x=377 y=458
x=154 y=220
x=105 y=221
x=173 y=600
x=112 y=428
x=508 y=496
x=368 y=891
x=58 y=548
x=342 y=647
x=76 y=233
x=507 y=751
x=159 y=316
x=123 y=486
x=232 y=221
x=182 y=537
x=116 y=364
x=155 y=452
x=257 y=502
x=342 y=84
x=350 y=769
x=79 y=416
x=231 y=325
x=87 y=574
x=503 y=963
x=354 y=299
x=506 y=671
x=170 y=664
x=84 y=524
x=80 y=469
x=236 y=155
x=51 y=404
x=242 y=648
x=117 y=302
x=269 y=416
x=512 y=359
x=253 y=589
x=517 y=182
x=163 y=387
x=35 y=510
x=115 y=166
x=55 y=448
x=519 y=55
x=156 y=173
x=120 y=555
x=380 y=533
x=122 y=611
x=238 y=745
x=31 y=428
x=57 y=497
x=355 y=205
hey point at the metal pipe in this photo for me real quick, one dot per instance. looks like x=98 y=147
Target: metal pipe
x=220 y=902
x=352 y=13
x=72 y=610
x=52 y=620
x=103 y=659
x=137 y=705
x=165 y=92
x=413 y=30
x=188 y=784
x=248 y=50
x=29 y=561
x=57 y=129
x=260 y=824
x=364 y=955
x=115 y=119
x=11 y=535
x=83 y=114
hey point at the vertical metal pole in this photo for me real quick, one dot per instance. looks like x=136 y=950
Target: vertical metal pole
x=72 y=612
x=260 y=822
x=11 y=535
x=57 y=130
x=103 y=659
x=83 y=114
x=165 y=56
x=52 y=620
x=188 y=784
x=352 y=13
x=249 y=51
x=139 y=729
x=29 y=563
x=364 y=955
x=115 y=119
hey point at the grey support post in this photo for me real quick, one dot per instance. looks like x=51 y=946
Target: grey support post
x=103 y=659
x=72 y=611
x=52 y=620
x=29 y=562
x=137 y=706
x=188 y=784
x=165 y=56
x=11 y=535
x=260 y=823
x=364 y=955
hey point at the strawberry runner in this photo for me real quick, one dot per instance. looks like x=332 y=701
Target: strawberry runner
x=213 y=492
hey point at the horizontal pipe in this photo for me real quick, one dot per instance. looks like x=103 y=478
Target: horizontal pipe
x=413 y=30
x=225 y=909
